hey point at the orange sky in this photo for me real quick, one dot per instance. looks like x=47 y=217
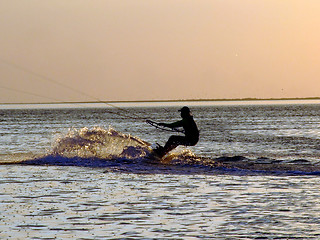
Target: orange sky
x=153 y=50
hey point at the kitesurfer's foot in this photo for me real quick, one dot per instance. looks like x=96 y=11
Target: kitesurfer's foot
x=159 y=151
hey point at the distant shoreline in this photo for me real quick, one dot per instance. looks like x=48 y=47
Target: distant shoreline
x=168 y=101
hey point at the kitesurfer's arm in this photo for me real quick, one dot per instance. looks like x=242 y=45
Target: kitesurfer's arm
x=172 y=125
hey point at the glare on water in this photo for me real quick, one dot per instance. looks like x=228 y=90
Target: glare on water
x=82 y=203
x=101 y=193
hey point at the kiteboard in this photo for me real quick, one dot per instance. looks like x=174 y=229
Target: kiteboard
x=154 y=153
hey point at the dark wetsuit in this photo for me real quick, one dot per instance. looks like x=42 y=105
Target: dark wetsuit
x=191 y=134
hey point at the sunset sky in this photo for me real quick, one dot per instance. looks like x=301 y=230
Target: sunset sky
x=87 y=50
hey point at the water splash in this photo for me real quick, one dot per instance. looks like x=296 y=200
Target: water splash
x=118 y=152
x=99 y=143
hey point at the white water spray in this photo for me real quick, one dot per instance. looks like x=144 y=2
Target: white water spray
x=99 y=143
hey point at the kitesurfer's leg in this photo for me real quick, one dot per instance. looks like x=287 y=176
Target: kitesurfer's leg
x=173 y=142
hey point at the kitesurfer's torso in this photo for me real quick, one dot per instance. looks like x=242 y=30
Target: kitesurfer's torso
x=190 y=128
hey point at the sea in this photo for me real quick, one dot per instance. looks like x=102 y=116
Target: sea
x=86 y=171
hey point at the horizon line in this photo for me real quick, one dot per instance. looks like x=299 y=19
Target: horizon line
x=168 y=100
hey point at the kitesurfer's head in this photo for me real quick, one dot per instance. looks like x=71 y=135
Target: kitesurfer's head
x=185 y=112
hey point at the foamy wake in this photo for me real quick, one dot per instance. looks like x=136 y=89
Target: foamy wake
x=99 y=143
x=98 y=147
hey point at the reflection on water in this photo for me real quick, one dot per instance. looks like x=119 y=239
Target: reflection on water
x=114 y=198
x=253 y=131
x=39 y=202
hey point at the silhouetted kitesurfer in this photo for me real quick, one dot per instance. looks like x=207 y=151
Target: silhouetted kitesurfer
x=190 y=130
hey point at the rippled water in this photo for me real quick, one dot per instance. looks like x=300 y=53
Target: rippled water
x=81 y=203
x=124 y=198
x=289 y=131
